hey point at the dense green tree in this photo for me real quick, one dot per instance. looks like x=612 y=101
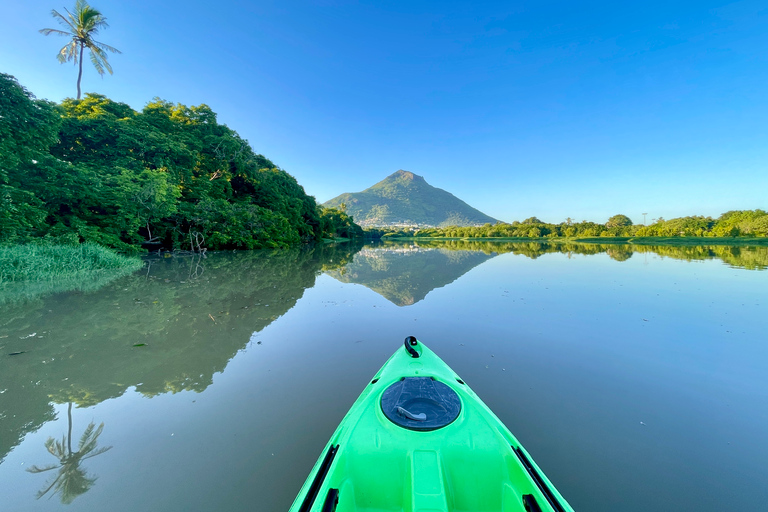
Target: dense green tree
x=96 y=170
x=186 y=176
x=618 y=221
x=147 y=196
x=335 y=223
x=28 y=127
x=82 y=26
x=742 y=222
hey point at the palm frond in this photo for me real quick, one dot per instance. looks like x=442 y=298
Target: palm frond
x=38 y=469
x=49 y=31
x=97 y=452
x=93 y=20
x=74 y=17
x=72 y=21
x=75 y=483
x=68 y=52
x=89 y=18
x=89 y=439
x=106 y=47
x=97 y=63
x=55 y=448
x=63 y=20
x=86 y=437
x=103 y=58
x=43 y=492
x=49 y=445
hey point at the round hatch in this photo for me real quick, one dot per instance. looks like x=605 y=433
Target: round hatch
x=420 y=403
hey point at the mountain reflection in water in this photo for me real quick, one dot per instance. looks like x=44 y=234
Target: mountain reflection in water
x=405 y=272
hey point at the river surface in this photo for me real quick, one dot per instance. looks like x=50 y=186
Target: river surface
x=636 y=378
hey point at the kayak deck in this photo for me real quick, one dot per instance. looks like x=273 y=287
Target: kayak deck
x=471 y=464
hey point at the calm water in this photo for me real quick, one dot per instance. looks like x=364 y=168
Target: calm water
x=637 y=380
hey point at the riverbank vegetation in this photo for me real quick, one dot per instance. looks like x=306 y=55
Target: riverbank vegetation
x=95 y=170
x=28 y=271
x=737 y=227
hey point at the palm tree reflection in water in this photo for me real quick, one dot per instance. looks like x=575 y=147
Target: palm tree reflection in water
x=71 y=480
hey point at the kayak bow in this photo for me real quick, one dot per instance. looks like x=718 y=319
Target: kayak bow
x=418 y=439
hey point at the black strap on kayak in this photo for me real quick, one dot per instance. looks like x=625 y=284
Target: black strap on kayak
x=410 y=342
x=539 y=480
x=309 y=499
x=331 y=500
x=530 y=503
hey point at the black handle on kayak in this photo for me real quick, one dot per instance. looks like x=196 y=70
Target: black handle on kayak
x=309 y=498
x=331 y=501
x=548 y=494
x=411 y=342
x=530 y=503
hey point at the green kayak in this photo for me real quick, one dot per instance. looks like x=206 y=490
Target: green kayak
x=418 y=439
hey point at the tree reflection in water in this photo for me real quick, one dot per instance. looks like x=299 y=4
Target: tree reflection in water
x=71 y=480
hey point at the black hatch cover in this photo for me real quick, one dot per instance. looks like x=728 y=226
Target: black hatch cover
x=420 y=403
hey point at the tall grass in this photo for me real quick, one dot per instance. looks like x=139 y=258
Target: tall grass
x=28 y=271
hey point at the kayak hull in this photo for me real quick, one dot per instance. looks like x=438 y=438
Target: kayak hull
x=472 y=463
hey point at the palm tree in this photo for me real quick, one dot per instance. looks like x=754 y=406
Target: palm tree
x=82 y=26
x=71 y=480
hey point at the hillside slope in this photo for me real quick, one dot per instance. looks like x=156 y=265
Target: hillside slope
x=406 y=199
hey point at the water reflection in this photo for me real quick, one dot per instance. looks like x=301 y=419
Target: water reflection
x=71 y=480
x=181 y=320
x=167 y=328
x=405 y=273
x=13 y=292
x=746 y=257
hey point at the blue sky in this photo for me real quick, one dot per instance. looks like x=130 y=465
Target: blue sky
x=552 y=109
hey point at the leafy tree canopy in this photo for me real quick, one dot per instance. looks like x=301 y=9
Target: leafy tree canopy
x=96 y=170
x=738 y=223
x=618 y=221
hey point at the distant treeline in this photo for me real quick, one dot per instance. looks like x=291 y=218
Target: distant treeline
x=95 y=170
x=738 y=223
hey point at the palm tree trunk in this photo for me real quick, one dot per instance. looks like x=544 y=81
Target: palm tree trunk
x=80 y=72
x=69 y=430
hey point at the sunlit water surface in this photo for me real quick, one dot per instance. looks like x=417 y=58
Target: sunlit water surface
x=638 y=381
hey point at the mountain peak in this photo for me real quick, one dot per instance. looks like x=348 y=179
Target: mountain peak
x=406 y=199
x=406 y=175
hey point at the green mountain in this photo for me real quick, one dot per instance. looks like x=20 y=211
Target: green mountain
x=406 y=199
